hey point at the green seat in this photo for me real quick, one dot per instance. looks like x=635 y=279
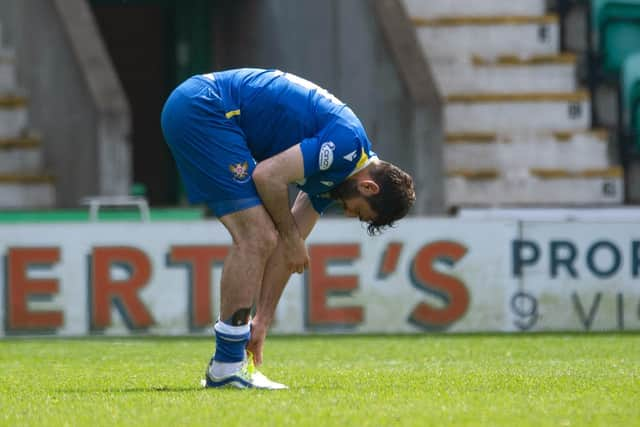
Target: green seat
x=616 y=30
x=630 y=87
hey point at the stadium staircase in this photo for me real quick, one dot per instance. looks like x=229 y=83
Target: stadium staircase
x=23 y=184
x=518 y=129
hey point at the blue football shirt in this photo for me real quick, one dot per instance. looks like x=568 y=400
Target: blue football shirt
x=278 y=110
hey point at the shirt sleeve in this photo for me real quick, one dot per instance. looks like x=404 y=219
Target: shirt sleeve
x=329 y=158
x=332 y=151
x=310 y=151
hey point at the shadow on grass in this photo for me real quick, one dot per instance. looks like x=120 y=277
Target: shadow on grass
x=195 y=389
x=160 y=389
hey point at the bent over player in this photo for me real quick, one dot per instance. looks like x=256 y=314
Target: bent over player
x=239 y=137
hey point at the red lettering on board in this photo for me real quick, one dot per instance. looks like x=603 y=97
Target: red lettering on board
x=390 y=259
x=199 y=260
x=20 y=288
x=320 y=285
x=450 y=290
x=123 y=293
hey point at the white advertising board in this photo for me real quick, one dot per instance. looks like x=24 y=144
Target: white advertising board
x=425 y=275
x=578 y=276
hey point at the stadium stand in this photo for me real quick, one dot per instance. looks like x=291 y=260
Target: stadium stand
x=630 y=111
x=23 y=183
x=518 y=126
x=613 y=40
x=615 y=32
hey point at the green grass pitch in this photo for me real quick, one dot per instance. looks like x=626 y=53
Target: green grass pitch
x=437 y=380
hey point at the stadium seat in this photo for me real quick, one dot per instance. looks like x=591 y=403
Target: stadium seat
x=630 y=88
x=616 y=27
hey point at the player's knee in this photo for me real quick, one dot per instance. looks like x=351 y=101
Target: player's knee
x=260 y=242
x=268 y=240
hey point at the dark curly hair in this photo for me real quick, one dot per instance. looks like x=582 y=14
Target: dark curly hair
x=392 y=202
x=395 y=198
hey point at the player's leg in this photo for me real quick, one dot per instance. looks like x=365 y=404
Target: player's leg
x=254 y=239
x=276 y=275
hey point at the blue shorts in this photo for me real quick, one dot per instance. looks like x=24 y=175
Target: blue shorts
x=209 y=148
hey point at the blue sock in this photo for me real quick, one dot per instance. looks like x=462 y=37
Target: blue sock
x=231 y=342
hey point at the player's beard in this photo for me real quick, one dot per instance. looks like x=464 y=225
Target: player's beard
x=346 y=190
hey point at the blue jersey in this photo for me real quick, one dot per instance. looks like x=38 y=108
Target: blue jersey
x=277 y=110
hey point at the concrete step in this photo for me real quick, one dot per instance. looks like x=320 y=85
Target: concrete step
x=518 y=152
x=445 y=39
x=507 y=74
x=20 y=155
x=440 y=8
x=13 y=116
x=26 y=191
x=538 y=187
x=517 y=112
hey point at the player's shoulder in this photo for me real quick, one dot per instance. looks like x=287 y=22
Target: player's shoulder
x=347 y=131
x=243 y=71
x=247 y=78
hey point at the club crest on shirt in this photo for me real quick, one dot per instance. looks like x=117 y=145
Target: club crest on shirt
x=325 y=159
x=240 y=171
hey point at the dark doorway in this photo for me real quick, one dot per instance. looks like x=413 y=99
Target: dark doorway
x=153 y=46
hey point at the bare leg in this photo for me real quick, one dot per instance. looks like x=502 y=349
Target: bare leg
x=254 y=239
x=276 y=275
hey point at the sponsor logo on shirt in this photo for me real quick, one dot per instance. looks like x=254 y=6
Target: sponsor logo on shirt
x=239 y=171
x=325 y=159
x=327 y=183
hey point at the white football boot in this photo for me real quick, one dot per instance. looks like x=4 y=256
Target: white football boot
x=247 y=376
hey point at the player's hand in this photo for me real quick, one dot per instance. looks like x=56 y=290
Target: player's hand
x=295 y=254
x=256 y=343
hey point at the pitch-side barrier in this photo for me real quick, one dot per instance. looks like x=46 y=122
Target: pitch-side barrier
x=425 y=275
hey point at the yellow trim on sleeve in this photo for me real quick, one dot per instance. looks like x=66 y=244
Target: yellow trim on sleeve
x=362 y=163
x=232 y=113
